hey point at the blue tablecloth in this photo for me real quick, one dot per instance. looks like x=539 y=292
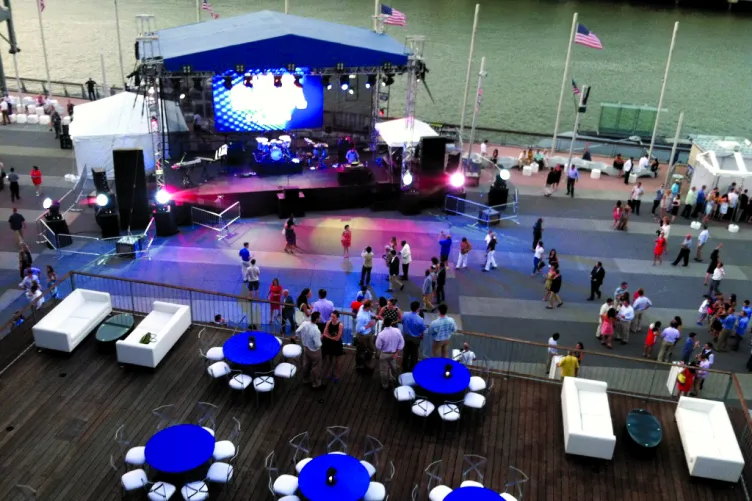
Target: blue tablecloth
x=429 y=375
x=352 y=479
x=236 y=348
x=179 y=449
x=473 y=494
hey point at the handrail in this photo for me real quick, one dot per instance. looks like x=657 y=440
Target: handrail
x=230 y=207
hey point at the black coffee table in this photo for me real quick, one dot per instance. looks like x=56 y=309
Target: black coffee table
x=644 y=431
x=113 y=329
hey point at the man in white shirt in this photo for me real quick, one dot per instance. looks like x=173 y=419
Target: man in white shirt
x=406 y=259
x=484 y=148
x=553 y=342
x=625 y=317
x=635 y=198
x=604 y=309
x=4 y=110
x=310 y=337
x=29 y=280
x=627 y=169
x=252 y=276
x=702 y=238
x=733 y=200
x=465 y=356
x=643 y=165
x=538 y=258
x=715 y=279
x=669 y=336
x=640 y=306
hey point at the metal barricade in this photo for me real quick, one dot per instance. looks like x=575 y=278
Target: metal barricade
x=132 y=245
x=483 y=215
x=219 y=222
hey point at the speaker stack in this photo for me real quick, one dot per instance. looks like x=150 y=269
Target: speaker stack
x=65 y=140
x=290 y=201
x=409 y=203
x=130 y=187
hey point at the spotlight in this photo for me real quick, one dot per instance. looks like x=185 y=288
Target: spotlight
x=388 y=80
x=102 y=200
x=351 y=91
x=162 y=197
x=228 y=82
x=353 y=76
x=382 y=112
x=47 y=203
x=278 y=81
x=344 y=82
x=407 y=178
x=248 y=81
x=297 y=82
x=182 y=96
x=326 y=80
x=457 y=180
x=504 y=174
x=371 y=81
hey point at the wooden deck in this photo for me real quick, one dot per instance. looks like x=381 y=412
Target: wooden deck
x=58 y=416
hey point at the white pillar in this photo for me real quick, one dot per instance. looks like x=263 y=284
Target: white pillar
x=287 y=6
x=564 y=80
x=120 y=45
x=44 y=50
x=469 y=69
x=481 y=74
x=670 y=169
x=198 y=11
x=663 y=87
x=105 y=91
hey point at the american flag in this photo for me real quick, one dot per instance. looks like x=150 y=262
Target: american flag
x=41 y=5
x=575 y=89
x=587 y=38
x=205 y=5
x=393 y=16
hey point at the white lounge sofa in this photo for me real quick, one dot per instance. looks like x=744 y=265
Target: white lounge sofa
x=710 y=445
x=588 y=430
x=72 y=320
x=167 y=322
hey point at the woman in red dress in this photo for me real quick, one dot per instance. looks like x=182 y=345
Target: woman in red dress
x=347 y=240
x=660 y=249
x=616 y=213
x=275 y=296
x=686 y=379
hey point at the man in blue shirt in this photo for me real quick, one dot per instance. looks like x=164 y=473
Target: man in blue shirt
x=740 y=329
x=700 y=203
x=728 y=328
x=245 y=258
x=572 y=176
x=413 y=328
x=441 y=331
x=445 y=243
x=746 y=308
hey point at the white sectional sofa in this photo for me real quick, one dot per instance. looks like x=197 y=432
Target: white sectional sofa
x=167 y=322
x=588 y=430
x=72 y=320
x=710 y=445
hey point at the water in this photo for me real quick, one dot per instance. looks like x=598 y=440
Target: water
x=524 y=43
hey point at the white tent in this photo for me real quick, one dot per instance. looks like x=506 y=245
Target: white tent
x=719 y=161
x=119 y=122
x=394 y=132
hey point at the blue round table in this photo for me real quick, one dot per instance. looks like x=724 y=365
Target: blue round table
x=180 y=448
x=236 y=348
x=352 y=479
x=429 y=375
x=473 y=494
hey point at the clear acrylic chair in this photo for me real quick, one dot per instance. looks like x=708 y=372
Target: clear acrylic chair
x=208 y=413
x=166 y=415
x=337 y=439
x=226 y=449
x=301 y=445
x=515 y=482
x=371 y=456
x=473 y=470
x=134 y=456
x=279 y=485
x=437 y=491
x=209 y=352
x=378 y=491
x=27 y=492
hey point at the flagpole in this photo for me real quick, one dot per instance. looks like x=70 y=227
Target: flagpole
x=481 y=74
x=120 y=45
x=376 y=12
x=287 y=6
x=469 y=69
x=105 y=90
x=198 y=11
x=670 y=169
x=663 y=88
x=583 y=92
x=44 y=49
x=564 y=81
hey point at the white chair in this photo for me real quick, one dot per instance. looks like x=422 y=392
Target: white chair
x=370 y=459
x=132 y=480
x=208 y=413
x=226 y=449
x=535 y=167
x=473 y=470
x=220 y=473
x=21 y=119
x=733 y=228
x=404 y=394
x=12 y=118
x=586 y=416
x=167 y=415
x=474 y=400
x=263 y=383
x=166 y=323
x=479 y=383
x=27 y=100
x=449 y=411
x=135 y=456
x=161 y=491
x=406 y=379
x=218 y=370
x=470 y=483
x=195 y=491
x=39 y=111
x=632 y=178
x=44 y=120
x=595 y=174
x=31 y=109
x=377 y=491
x=285 y=370
x=422 y=408
x=527 y=171
x=279 y=485
x=292 y=350
x=213 y=354
x=66 y=120
x=695 y=225
x=239 y=381
x=301 y=444
x=437 y=491
x=32 y=119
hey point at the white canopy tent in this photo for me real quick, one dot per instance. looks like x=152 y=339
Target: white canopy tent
x=394 y=132
x=119 y=122
x=719 y=161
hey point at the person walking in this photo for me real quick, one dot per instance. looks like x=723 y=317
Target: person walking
x=36 y=179
x=684 y=251
x=490 y=251
x=4 y=111
x=346 y=241
x=675 y=203
x=465 y=248
x=253 y=278
x=625 y=317
x=659 y=249
x=427 y=291
x=689 y=202
x=700 y=201
x=572 y=176
x=702 y=239
x=310 y=337
x=413 y=329
x=15 y=193
x=91 y=89
x=245 y=258
x=635 y=198
x=291 y=239
x=628 y=165
x=552 y=351
x=650 y=338
x=740 y=330
x=597 y=275
x=445 y=246
x=288 y=313
x=275 y=298
x=555 y=288
x=537 y=233
x=440 y=282
x=365 y=270
x=17 y=225
x=609 y=304
x=715 y=279
x=394 y=272
x=607 y=327
x=669 y=337
x=714 y=257
x=538 y=262
x=441 y=331
x=657 y=199
x=616 y=213
x=407 y=258
x=389 y=343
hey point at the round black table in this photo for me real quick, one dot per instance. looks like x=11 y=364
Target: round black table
x=644 y=432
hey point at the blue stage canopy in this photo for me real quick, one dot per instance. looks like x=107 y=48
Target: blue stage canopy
x=267 y=39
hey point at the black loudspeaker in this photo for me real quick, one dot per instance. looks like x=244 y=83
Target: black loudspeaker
x=100 y=180
x=109 y=224
x=130 y=187
x=497 y=196
x=409 y=203
x=65 y=139
x=453 y=161
x=165 y=222
x=290 y=201
x=432 y=152
x=60 y=228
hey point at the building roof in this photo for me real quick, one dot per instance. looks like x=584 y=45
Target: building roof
x=723 y=146
x=270 y=40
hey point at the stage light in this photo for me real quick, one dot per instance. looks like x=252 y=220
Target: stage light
x=382 y=112
x=504 y=174
x=228 y=82
x=457 y=180
x=162 y=197
x=296 y=160
x=353 y=76
x=151 y=90
x=248 y=81
x=47 y=203
x=407 y=178
x=102 y=200
x=344 y=82
x=388 y=80
x=278 y=81
x=326 y=81
x=297 y=82
x=351 y=91
x=371 y=81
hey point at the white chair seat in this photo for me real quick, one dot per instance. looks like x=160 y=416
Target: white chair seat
x=220 y=473
x=44 y=120
x=406 y=379
x=471 y=483
x=240 y=381
x=285 y=485
x=439 y=492
x=526 y=171
x=289 y=498
x=376 y=492
x=292 y=350
x=285 y=370
x=477 y=383
x=12 y=118
x=595 y=174
x=136 y=456
x=32 y=119
x=449 y=412
x=404 y=394
x=31 y=109
x=300 y=464
x=66 y=120
x=21 y=119
x=39 y=110
x=195 y=491
x=475 y=400
x=218 y=369
x=209 y=430
x=423 y=407
x=161 y=491
x=215 y=354
x=371 y=469
x=263 y=385
x=133 y=480
x=224 y=449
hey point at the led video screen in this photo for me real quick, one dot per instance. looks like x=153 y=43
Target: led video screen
x=264 y=107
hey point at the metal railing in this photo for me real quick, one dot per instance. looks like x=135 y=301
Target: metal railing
x=483 y=216
x=132 y=245
x=69 y=202
x=219 y=222
x=59 y=88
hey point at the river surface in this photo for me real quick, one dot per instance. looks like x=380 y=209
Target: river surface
x=524 y=42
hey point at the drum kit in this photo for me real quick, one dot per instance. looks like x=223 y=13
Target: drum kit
x=273 y=150
x=318 y=155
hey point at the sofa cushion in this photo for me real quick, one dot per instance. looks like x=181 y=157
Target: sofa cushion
x=88 y=310
x=155 y=321
x=594 y=404
x=75 y=326
x=696 y=442
x=597 y=425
